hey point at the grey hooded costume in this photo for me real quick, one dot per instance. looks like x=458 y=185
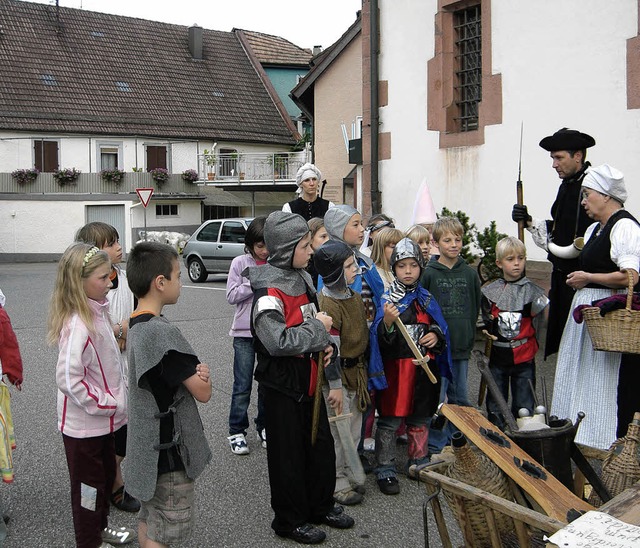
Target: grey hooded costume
x=286 y=333
x=284 y=308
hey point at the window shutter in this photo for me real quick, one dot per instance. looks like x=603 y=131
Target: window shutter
x=156 y=157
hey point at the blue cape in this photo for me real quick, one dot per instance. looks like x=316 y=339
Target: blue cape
x=377 y=380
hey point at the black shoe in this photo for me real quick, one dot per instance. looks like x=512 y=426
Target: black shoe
x=305 y=534
x=337 y=519
x=389 y=486
x=124 y=501
x=366 y=463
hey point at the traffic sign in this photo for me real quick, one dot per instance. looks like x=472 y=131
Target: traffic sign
x=145 y=195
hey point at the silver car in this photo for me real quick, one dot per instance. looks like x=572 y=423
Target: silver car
x=213 y=246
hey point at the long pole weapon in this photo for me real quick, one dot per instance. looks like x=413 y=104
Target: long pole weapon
x=519 y=189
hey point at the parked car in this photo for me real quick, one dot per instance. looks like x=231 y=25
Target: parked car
x=213 y=246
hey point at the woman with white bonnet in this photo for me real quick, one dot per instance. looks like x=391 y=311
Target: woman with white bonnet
x=309 y=204
x=587 y=380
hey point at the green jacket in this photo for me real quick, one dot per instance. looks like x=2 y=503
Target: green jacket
x=457 y=291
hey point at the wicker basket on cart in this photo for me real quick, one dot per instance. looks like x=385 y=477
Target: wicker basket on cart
x=617 y=331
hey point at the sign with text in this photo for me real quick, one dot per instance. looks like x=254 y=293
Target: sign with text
x=145 y=195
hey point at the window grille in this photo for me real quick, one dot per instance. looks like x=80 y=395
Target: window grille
x=468 y=86
x=166 y=210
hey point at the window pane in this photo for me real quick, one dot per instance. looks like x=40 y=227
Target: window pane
x=108 y=160
x=233 y=232
x=209 y=233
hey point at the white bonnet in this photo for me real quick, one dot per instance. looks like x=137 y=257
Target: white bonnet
x=606 y=180
x=306 y=172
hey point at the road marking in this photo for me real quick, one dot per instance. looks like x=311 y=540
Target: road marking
x=201 y=287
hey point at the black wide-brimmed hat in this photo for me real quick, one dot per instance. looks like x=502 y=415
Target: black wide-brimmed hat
x=567 y=139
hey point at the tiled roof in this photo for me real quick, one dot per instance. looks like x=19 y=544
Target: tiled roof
x=274 y=50
x=107 y=74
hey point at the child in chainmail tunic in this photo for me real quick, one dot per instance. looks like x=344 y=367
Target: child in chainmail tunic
x=336 y=262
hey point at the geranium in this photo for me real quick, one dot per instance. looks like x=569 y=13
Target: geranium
x=160 y=175
x=190 y=175
x=24 y=176
x=67 y=175
x=112 y=175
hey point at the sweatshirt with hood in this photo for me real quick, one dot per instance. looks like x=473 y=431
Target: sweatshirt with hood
x=283 y=313
x=457 y=291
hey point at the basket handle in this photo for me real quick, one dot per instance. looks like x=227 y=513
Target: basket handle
x=630 y=289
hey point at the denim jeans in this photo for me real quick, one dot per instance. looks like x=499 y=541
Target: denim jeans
x=457 y=393
x=243 y=364
x=518 y=376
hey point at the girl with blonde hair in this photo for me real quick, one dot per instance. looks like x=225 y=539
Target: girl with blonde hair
x=91 y=390
x=383 y=247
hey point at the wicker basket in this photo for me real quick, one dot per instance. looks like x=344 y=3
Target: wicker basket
x=617 y=331
x=475 y=468
x=620 y=468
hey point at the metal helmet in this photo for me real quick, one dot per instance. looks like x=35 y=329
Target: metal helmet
x=407 y=249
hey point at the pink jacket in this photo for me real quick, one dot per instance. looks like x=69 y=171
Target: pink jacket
x=239 y=293
x=92 y=399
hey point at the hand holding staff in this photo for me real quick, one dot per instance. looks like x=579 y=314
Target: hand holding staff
x=519 y=189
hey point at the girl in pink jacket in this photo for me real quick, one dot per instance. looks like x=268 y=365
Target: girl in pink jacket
x=91 y=392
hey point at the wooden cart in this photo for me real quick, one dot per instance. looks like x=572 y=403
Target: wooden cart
x=523 y=517
x=625 y=506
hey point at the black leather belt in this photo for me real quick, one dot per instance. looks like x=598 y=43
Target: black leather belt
x=347 y=363
x=510 y=344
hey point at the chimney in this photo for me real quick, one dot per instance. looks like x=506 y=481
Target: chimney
x=195 y=42
x=316 y=50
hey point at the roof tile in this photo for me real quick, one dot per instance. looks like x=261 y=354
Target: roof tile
x=88 y=53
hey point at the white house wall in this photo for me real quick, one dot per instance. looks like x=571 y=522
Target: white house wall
x=563 y=64
x=189 y=213
x=43 y=228
x=81 y=151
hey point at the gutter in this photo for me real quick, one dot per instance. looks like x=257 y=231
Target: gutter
x=376 y=206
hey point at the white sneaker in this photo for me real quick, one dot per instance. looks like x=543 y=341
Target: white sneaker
x=238 y=444
x=117 y=536
x=262 y=436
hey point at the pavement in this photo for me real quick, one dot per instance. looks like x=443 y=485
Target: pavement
x=232 y=495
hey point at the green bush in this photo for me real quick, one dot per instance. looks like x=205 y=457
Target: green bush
x=486 y=242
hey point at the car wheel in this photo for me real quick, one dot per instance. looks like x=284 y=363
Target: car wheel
x=197 y=271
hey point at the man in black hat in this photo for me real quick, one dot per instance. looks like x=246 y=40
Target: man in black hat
x=568 y=148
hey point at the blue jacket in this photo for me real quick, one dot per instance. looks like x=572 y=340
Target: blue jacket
x=377 y=380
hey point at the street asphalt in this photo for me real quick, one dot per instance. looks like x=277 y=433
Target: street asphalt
x=232 y=495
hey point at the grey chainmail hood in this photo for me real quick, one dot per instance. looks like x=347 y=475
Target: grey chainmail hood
x=329 y=262
x=336 y=220
x=282 y=233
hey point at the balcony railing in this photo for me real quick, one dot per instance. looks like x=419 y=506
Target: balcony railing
x=237 y=169
x=92 y=183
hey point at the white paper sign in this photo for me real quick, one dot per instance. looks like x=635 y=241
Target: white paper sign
x=596 y=529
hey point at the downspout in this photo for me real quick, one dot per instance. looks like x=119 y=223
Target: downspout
x=375 y=116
